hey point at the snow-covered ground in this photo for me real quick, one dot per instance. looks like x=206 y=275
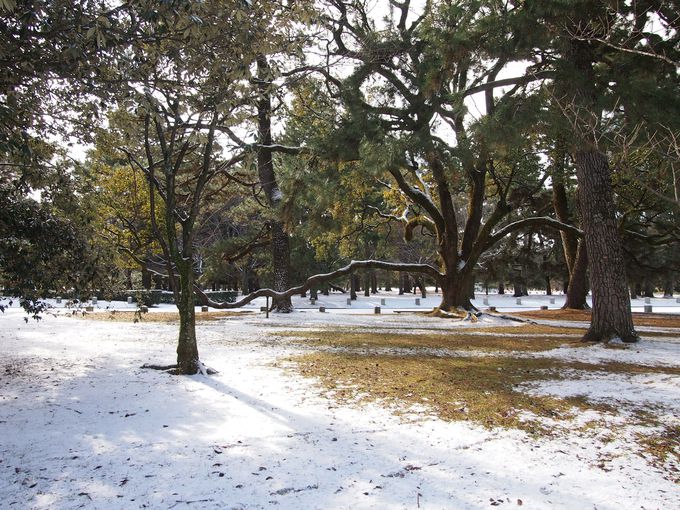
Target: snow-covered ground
x=82 y=426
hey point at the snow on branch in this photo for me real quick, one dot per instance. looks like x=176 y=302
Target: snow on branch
x=538 y=221
x=321 y=278
x=277 y=147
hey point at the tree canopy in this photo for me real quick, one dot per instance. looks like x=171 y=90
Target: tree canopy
x=277 y=147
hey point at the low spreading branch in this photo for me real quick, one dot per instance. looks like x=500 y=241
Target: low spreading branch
x=318 y=279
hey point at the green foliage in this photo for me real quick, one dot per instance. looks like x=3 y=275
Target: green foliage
x=46 y=245
x=161 y=73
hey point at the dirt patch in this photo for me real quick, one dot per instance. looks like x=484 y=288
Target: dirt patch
x=556 y=315
x=532 y=329
x=639 y=319
x=482 y=389
x=657 y=320
x=166 y=317
x=479 y=389
x=529 y=338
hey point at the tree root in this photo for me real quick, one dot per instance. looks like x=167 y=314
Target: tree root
x=586 y=306
x=205 y=370
x=163 y=368
x=172 y=369
x=513 y=318
x=593 y=337
x=459 y=313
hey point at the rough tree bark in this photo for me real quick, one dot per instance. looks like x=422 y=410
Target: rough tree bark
x=280 y=244
x=611 y=305
x=577 y=288
x=187 y=347
x=518 y=282
x=575 y=252
x=577 y=83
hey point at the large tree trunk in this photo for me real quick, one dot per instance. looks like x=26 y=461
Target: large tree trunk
x=471 y=287
x=187 y=349
x=575 y=253
x=577 y=289
x=265 y=166
x=456 y=292
x=519 y=286
x=561 y=207
x=611 y=305
x=281 y=261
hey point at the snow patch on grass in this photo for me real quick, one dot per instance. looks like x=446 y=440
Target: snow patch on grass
x=84 y=427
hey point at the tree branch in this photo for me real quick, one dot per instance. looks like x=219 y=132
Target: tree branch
x=319 y=279
x=540 y=221
x=519 y=80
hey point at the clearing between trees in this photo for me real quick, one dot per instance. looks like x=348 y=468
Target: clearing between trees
x=337 y=411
